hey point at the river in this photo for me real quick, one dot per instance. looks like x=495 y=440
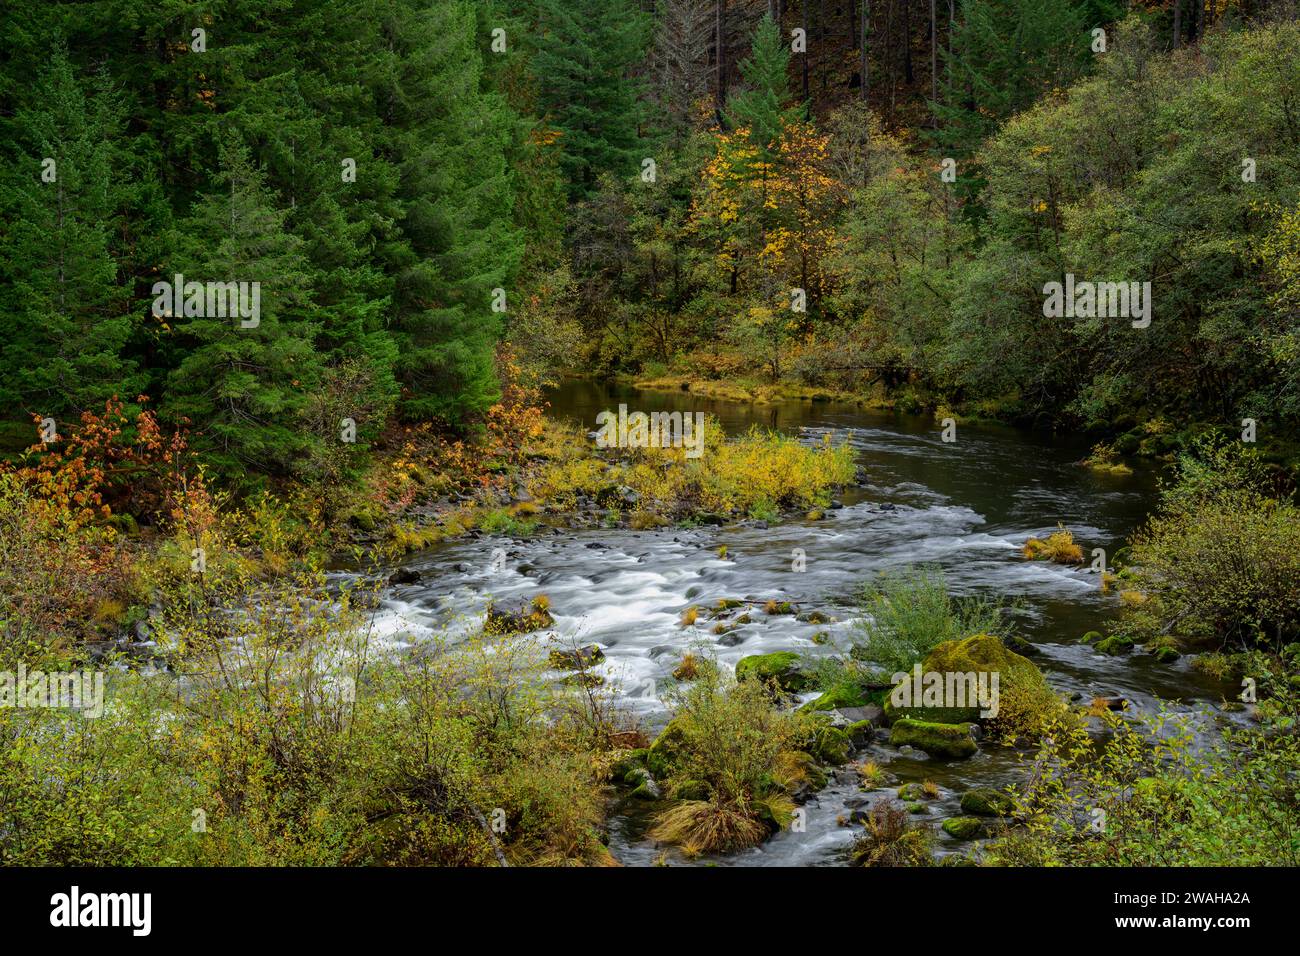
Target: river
x=967 y=506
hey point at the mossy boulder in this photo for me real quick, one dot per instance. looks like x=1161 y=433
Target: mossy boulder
x=664 y=754
x=953 y=741
x=643 y=785
x=911 y=791
x=828 y=744
x=1166 y=655
x=783 y=668
x=986 y=802
x=860 y=732
x=963 y=828
x=628 y=761
x=690 y=790
x=916 y=806
x=836 y=698
x=518 y=617
x=1025 y=701
x=1114 y=645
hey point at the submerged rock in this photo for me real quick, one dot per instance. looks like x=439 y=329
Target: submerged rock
x=518 y=617
x=953 y=741
x=963 y=828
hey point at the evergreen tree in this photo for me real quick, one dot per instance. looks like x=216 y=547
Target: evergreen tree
x=585 y=54
x=67 y=316
x=243 y=389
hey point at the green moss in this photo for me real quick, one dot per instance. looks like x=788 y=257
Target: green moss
x=690 y=790
x=1025 y=702
x=986 y=802
x=938 y=740
x=842 y=695
x=666 y=751
x=911 y=791
x=783 y=668
x=963 y=828
x=829 y=744
x=861 y=732
x=1114 y=645
x=1090 y=637
x=1166 y=655
x=915 y=806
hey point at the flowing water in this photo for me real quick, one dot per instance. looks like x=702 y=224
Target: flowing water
x=966 y=506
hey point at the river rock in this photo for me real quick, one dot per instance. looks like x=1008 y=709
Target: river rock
x=404 y=576
x=518 y=617
x=952 y=741
x=963 y=828
x=986 y=802
x=783 y=668
x=576 y=659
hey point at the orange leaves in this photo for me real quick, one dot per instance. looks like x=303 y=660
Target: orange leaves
x=110 y=461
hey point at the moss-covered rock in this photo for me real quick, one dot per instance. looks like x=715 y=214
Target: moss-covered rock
x=690 y=790
x=829 y=744
x=1025 y=701
x=643 y=785
x=664 y=754
x=629 y=760
x=963 y=828
x=1114 y=645
x=1166 y=655
x=518 y=617
x=842 y=695
x=986 y=802
x=911 y=791
x=860 y=732
x=938 y=740
x=783 y=668
x=916 y=806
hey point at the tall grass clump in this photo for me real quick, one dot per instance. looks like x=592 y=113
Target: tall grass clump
x=908 y=613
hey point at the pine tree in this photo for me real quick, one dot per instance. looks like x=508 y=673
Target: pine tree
x=585 y=54
x=1004 y=55
x=447 y=138
x=243 y=389
x=67 y=317
x=682 y=39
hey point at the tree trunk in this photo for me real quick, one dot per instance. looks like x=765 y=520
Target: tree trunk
x=1178 y=23
x=934 y=52
x=720 y=34
x=803 y=22
x=909 y=76
x=865 y=51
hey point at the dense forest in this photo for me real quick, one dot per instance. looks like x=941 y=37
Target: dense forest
x=289 y=289
x=859 y=197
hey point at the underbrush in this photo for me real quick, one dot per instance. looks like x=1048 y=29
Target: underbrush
x=300 y=740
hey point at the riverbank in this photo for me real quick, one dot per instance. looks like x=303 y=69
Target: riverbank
x=602 y=632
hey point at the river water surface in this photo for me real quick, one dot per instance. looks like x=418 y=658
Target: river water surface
x=967 y=506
